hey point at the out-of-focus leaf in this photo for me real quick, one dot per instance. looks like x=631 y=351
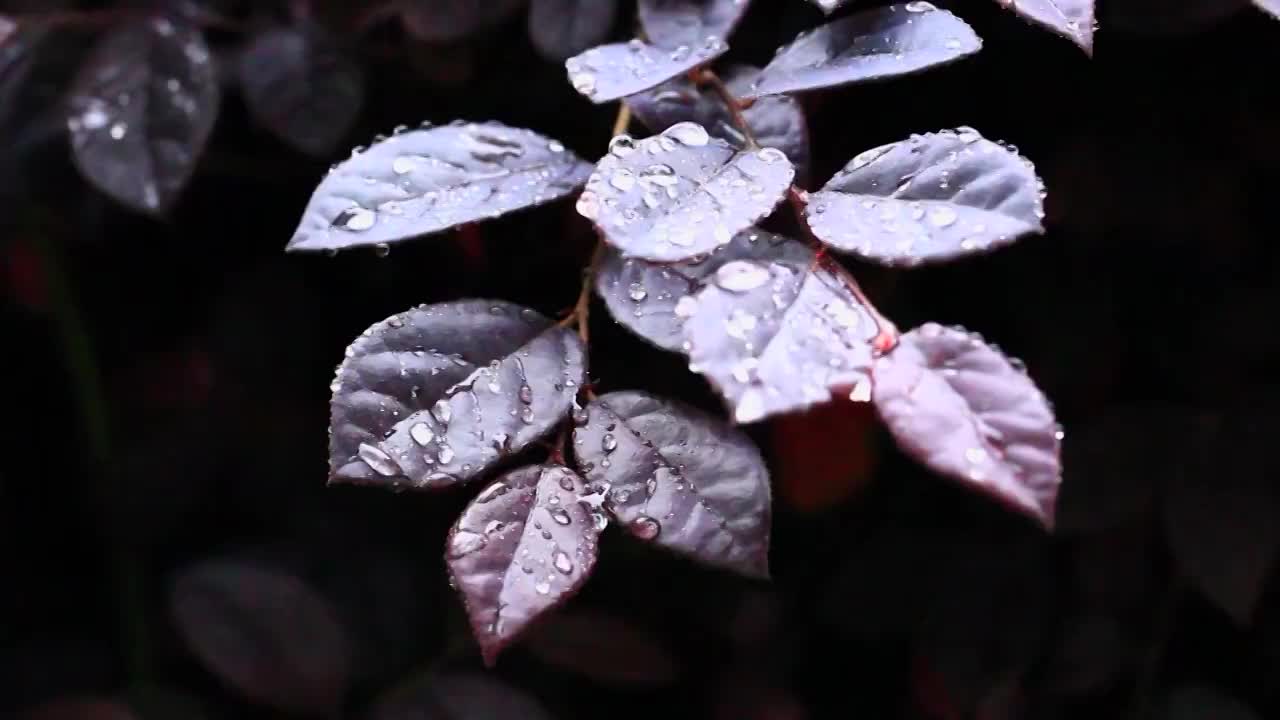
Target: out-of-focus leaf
x=560 y=29
x=1072 y=19
x=603 y=648
x=1204 y=703
x=677 y=477
x=141 y=110
x=7 y=30
x=681 y=193
x=441 y=21
x=671 y=23
x=811 y=477
x=437 y=395
x=962 y=408
x=525 y=545
x=929 y=199
x=458 y=696
x=871 y=45
x=78 y=709
x=424 y=181
x=1271 y=6
x=299 y=85
x=609 y=72
x=266 y=634
x=829 y=6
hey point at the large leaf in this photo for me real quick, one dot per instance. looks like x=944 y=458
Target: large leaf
x=671 y=23
x=931 y=198
x=678 y=478
x=1271 y=6
x=300 y=86
x=444 y=21
x=650 y=298
x=526 y=544
x=439 y=394
x=561 y=29
x=458 y=696
x=871 y=45
x=966 y=411
x=681 y=193
x=778 y=337
x=141 y=110
x=1072 y=19
x=608 y=72
x=424 y=181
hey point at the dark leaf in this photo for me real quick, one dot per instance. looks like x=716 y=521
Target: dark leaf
x=609 y=72
x=679 y=478
x=525 y=545
x=871 y=45
x=777 y=121
x=439 y=394
x=424 y=181
x=778 y=337
x=1072 y=19
x=561 y=29
x=671 y=23
x=966 y=411
x=299 y=85
x=141 y=110
x=929 y=199
x=442 y=21
x=1271 y=6
x=458 y=697
x=829 y=6
x=605 y=649
x=264 y=633
x=681 y=193
x=1203 y=703
x=645 y=297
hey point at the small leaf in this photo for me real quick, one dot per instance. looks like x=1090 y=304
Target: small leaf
x=966 y=411
x=458 y=696
x=141 y=110
x=444 y=21
x=829 y=6
x=871 y=45
x=1072 y=19
x=560 y=29
x=437 y=395
x=300 y=86
x=264 y=633
x=605 y=649
x=645 y=297
x=1271 y=6
x=929 y=199
x=778 y=337
x=609 y=72
x=681 y=193
x=525 y=545
x=424 y=181
x=679 y=478
x=671 y=23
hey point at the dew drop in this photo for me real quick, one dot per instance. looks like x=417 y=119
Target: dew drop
x=942 y=216
x=355 y=219
x=465 y=542
x=609 y=443
x=526 y=394
x=562 y=562
x=645 y=527
x=688 y=133
x=542 y=588
x=741 y=276
x=378 y=460
x=637 y=292
x=560 y=516
x=421 y=434
x=446 y=455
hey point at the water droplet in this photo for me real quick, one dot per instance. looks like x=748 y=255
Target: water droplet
x=560 y=516
x=772 y=155
x=403 y=165
x=382 y=250
x=623 y=179
x=446 y=455
x=942 y=216
x=580 y=416
x=526 y=394
x=566 y=483
x=750 y=406
x=378 y=460
x=608 y=443
x=493 y=491
x=355 y=219
x=861 y=391
x=555 y=146
x=526 y=415
x=465 y=542
x=688 y=133
x=442 y=412
x=542 y=588
x=421 y=434
x=622 y=145
x=919 y=6
x=583 y=82
x=741 y=276
x=645 y=527
x=562 y=562
x=637 y=292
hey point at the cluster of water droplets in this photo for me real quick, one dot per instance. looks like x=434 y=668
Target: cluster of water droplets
x=608 y=72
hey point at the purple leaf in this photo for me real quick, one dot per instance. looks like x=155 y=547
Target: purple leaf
x=671 y=23
x=605 y=649
x=1072 y=19
x=560 y=29
x=264 y=633
x=871 y=45
x=300 y=86
x=524 y=546
x=423 y=181
x=458 y=696
x=141 y=110
x=678 y=478
x=778 y=337
x=645 y=297
x=1271 y=6
x=444 y=21
x=682 y=193
x=929 y=199
x=609 y=72
x=439 y=394
x=829 y=6
x=966 y=411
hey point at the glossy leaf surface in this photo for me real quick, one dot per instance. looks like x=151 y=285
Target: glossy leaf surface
x=1072 y=19
x=608 y=72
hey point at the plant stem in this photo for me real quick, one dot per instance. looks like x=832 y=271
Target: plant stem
x=710 y=79
x=623 y=120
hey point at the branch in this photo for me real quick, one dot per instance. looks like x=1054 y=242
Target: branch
x=710 y=79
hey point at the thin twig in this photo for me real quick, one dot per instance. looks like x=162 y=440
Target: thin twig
x=710 y=79
x=623 y=121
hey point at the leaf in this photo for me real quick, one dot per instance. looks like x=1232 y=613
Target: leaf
x=646 y=297
x=871 y=45
x=1198 y=703
x=930 y=199
x=8 y=28
x=423 y=181
x=608 y=72
x=1072 y=19
x=444 y=21
x=524 y=546
x=560 y=29
x=966 y=411
x=458 y=696
x=678 y=478
x=671 y=23
x=681 y=193
x=778 y=337
x=439 y=394
x=141 y=110
x=605 y=649
x=264 y=633
x=777 y=121
x=1271 y=6
x=299 y=85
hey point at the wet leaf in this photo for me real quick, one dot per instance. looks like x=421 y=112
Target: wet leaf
x=1271 y=6
x=966 y=411
x=442 y=21
x=141 y=110
x=681 y=193
x=1072 y=19
x=870 y=45
x=265 y=633
x=1200 y=703
x=677 y=477
x=423 y=181
x=778 y=337
x=560 y=29
x=671 y=23
x=458 y=696
x=609 y=72
x=525 y=545
x=439 y=394
x=605 y=649
x=645 y=297
x=929 y=199
x=299 y=85
x=829 y=6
